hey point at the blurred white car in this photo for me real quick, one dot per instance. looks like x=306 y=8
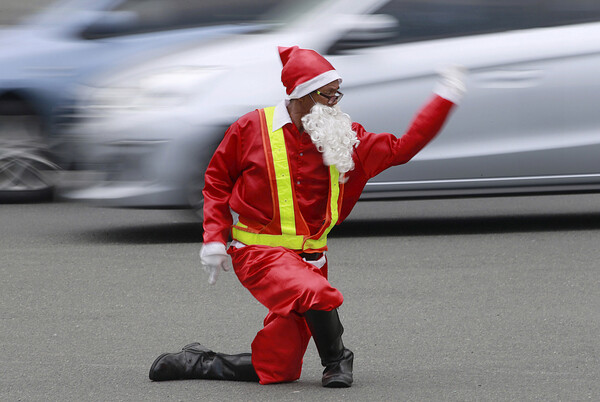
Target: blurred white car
x=45 y=55
x=529 y=123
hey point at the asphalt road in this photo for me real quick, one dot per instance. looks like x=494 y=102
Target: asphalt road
x=459 y=300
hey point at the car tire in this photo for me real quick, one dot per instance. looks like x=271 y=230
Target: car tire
x=27 y=174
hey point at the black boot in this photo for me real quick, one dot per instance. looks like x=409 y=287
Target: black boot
x=327 y=332
x=197 y=362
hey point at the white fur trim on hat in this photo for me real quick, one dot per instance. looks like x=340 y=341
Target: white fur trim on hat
x=315 y=83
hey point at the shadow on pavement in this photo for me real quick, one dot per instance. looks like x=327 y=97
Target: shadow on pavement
x=164 y=233
x=467 y=225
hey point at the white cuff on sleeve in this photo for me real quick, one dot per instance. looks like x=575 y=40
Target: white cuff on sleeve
x=451 y=84
x=452 y=94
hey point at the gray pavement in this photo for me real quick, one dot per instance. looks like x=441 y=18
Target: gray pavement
x=458 y=300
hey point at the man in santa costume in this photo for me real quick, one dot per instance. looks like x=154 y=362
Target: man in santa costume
x=291 y=172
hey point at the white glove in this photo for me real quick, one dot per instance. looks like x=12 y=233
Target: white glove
x=451 y=83
x=214 y=258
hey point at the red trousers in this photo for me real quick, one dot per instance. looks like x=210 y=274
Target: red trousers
x=288 y=286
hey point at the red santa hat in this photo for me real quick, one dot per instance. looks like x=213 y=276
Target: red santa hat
x=304 y=71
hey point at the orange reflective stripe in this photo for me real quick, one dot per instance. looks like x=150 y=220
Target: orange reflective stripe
x=270 y=169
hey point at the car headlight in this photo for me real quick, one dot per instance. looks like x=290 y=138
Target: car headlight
x=159 y=89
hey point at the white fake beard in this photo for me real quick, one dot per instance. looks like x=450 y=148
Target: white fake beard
x=330 y=130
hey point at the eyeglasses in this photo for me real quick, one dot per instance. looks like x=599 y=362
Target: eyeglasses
x=331 y=99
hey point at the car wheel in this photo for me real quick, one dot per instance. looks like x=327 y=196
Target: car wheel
x=26 y=172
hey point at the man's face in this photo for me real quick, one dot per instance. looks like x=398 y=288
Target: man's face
x=326 y=95
x=321 y=95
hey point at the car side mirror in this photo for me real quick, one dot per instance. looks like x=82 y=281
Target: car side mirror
x=365 y=31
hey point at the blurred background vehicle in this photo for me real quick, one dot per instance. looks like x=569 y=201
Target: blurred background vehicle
x=43 y=57
x=528 y=125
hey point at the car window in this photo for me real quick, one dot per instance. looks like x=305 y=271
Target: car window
x=142 y=16
x=419 y=20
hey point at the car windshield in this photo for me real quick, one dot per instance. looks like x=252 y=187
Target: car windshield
x=152 y=15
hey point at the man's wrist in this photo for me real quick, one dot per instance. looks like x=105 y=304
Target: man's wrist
x=452 y=94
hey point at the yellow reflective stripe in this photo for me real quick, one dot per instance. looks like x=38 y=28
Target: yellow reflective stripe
x=334 y=177
x=260 y=239
x=334 y=182
x=312 y=244
x=283 y=177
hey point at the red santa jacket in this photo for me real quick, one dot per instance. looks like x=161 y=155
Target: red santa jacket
x=237 y=176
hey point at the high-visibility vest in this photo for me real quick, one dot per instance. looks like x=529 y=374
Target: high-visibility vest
x=287 y=228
